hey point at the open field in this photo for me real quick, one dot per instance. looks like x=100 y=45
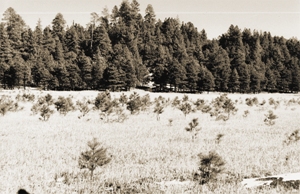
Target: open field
x=42 y=156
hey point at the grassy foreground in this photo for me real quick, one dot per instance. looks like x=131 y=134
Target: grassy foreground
x=42 y=157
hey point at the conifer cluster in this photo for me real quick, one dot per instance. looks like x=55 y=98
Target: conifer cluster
x=125 y=49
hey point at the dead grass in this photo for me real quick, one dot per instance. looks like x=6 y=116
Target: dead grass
x=34 y=153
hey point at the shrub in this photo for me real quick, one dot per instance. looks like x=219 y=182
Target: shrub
x=123 y=99
x=108 y=108
x=263 y=103
x=223 y=104
x=48 y=99
x=120 y=115
x=255 y=101
x=219 y=138
x=42 y=106
x=170 y=122
x=26 y=97
x=43 y=100
x=95 y=157
x=134 y=104
x=35 y=108
x=251 y=101
x=64 y=105
x=6 y=104
x=185 y=98
x=145 y=102
x=45 y=112
x=246 y=113
x=83 y=107
x=273 y=102
x=102 y=100
x=193 y=128
x=221 y=117
x=206 y=109
x=292 y=138
x=270 y=117
x=158 y=109
x=185 y=108
x=210 y=166
x=176 y=102
x=160 y=99
x=199 y=104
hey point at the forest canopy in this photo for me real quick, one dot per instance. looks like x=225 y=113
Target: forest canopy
x=124 y=49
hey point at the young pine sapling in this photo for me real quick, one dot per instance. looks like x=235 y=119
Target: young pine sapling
x=186 y=108
x=270 y=118
x=95 y=157
x=193 y=128
x=210 y=166
x=158 y=109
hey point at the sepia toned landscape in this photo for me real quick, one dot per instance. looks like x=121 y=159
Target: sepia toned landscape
x=125 y=97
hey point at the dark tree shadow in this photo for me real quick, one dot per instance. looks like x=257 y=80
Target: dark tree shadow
x=22 y=191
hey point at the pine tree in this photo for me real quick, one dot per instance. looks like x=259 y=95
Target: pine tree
x=84 y=63
x=112 y=78
x=6 y=52
x=74 y=76
x=244 y=75
x=40 y=74
x=98 y=67
x=72 y=41
x=48 y=41
x=270 y=80
x=295 y=82
x=58 y=54
x=234 y=83
x=192 y=70
x=102 y=43
x=58 y=27
x=15 y=26
x=177 y=75
x=219 y=65
x=205 y=80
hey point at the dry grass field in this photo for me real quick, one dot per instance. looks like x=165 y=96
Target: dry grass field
x=42 y=156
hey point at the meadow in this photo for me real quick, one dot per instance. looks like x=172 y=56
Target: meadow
x=146 y=152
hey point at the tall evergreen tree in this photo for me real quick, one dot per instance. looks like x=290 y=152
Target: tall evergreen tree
x=177 y=75
x=192 y=70
x=15 y=26
x=6 y=52
x=205 y=80
x=234 y=83
x=58 y=27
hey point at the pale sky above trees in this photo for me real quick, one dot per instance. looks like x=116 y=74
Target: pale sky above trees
x=280 y=17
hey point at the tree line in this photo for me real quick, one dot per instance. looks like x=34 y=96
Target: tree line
x=124 y=49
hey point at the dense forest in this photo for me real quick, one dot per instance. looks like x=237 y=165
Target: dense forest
x=123 y=49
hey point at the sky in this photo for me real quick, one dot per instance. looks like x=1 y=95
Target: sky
x=280 y=17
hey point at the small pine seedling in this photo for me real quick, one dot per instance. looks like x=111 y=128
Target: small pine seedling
x=186 y=108
x=270 y=117
x=219 y=138
x=193 y=128
x=170 y=122
x=45 y=112
x=210 y=166
x=94 y=157
x=246 y=113
x=83 y=107
x=159 y=109
x=292 y=138
x=185 y=98
x=123 y=99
